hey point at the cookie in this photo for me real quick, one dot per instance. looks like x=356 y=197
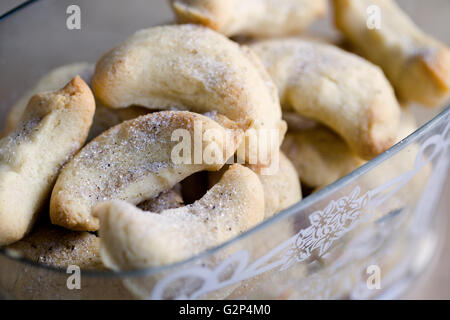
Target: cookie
x=133 y=239
x=53 y=127
x=417 y=64
x=334 y=87
x=256 y=18
x=194 y=68
x=135 y=161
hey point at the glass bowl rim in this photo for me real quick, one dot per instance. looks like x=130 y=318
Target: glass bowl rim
x=292 y=210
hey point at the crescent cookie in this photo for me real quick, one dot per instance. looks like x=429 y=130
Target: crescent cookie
x=417 y=64
x=104 y=118
x=53 y=127
x=337 y=88
x=282 y=188
x=133 y=239
x=191 y=67
x=135 y=161
x=319 y=155
x=54 y=80
x=58 y=247
x=258 y=18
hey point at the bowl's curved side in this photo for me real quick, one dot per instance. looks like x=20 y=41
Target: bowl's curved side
x=321 y=247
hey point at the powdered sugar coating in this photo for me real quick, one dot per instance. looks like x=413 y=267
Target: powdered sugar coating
x=131 y=238
x=191 y=67
x=257 y=18
x=334 y=87
x=52 y=129
x=131 y=162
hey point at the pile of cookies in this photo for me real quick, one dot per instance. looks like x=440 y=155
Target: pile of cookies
x=99 y=148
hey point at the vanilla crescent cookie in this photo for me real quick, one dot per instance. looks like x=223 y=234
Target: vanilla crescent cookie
x=337 y=88
x=137 y=160
x=53 y=80
x=417 y=64
x=57 y=247
x=53 y=127
x=282 y=187
x=258 y=18
x=104 y=117
x=132 y=239
x=319 y=155
x=190 y=67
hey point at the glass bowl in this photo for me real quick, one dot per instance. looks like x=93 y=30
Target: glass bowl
x=368 y=235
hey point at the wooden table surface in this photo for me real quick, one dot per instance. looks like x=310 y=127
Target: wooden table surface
x=435 y=283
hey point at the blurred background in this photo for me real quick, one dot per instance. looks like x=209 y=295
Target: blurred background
x=435 y=282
